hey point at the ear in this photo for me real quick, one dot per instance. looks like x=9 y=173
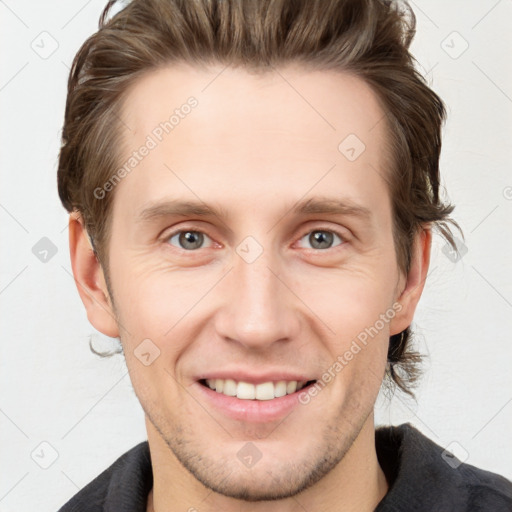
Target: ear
x=410 y=287
x=89 y=279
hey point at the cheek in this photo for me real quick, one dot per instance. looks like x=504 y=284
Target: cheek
x=357 y=308
x=151 y=308
x=158 y=303
x=347 y=300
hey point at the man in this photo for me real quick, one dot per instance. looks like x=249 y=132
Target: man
x=252 y=188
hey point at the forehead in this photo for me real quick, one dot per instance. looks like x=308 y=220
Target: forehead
x=252 y=132
x=329 y=104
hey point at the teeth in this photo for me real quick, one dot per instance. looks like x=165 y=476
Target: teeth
x=291 y=387
x=265 y=391
x=280 y=389
x=248 y=391
x=230 y=387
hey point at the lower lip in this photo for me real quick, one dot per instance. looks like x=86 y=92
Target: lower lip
x=254 y=411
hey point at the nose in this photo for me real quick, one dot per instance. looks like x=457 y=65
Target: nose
x=259 y=308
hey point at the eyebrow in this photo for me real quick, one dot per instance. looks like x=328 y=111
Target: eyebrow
x=316 y=205
x=180 y=208
x=322 y=205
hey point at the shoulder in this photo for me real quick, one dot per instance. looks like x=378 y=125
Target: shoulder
x=486 y=490
x=424 y=476
x=126 y=483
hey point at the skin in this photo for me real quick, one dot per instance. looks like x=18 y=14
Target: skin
x=296 y=307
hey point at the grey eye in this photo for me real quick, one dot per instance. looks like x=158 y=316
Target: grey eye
x=321 y=239
x=188 y=240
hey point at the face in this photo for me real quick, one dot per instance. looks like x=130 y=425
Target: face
x=250 y=247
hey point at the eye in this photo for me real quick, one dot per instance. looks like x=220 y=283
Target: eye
x=321 y=239
x=188 y=239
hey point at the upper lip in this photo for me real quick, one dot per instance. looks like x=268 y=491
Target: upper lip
x=255 y=377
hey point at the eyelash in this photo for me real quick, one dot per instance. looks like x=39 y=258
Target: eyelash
x=342 y=238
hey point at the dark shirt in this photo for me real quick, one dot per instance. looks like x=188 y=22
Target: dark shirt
x=421 y=475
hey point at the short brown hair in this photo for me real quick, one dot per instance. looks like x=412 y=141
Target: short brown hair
x=368 y=38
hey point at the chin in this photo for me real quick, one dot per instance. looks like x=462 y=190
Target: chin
x=278 y=477
x=261 y=485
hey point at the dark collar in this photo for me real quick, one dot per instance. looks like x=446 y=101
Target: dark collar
x=421 y=476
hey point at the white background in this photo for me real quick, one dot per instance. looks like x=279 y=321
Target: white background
x=54 y=390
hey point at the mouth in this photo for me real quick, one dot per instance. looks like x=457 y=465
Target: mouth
x=247 y=391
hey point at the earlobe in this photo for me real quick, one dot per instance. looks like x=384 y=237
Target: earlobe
x=89 y=279
x=409 y=294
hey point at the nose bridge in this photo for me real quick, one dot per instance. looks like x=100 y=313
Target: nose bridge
x=260 y=310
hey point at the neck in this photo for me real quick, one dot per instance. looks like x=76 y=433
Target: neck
x=357 y=483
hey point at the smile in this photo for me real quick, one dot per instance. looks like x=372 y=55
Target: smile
x=247 y=391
